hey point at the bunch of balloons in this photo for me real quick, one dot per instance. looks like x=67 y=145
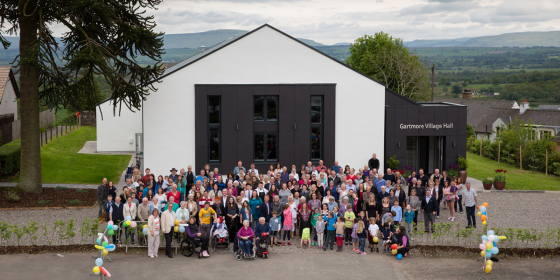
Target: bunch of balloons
x=488 y=246
x=102 y=244
x=129 y=222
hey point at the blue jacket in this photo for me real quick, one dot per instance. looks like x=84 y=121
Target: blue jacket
x=397 y=210
x=262 y=228
x=332 y=221
x=409 y=216
x=253 y=203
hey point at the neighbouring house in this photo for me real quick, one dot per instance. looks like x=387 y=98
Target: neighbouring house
x=9 y=92
x=549 y=107
x=265 y=97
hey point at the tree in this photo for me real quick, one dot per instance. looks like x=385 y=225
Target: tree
x=385 y=58
x=442 y=81
x=102 y=38
x=456 y=89
x=495 y=80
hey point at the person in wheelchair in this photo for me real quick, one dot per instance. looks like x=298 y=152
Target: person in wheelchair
x=193 y=232
x=262 y=233
x=220 y=230
x=245 y=237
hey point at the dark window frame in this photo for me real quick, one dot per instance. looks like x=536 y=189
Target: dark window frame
x=265 y=152
x=320 y=126
x=212 y=126
x=265 y=108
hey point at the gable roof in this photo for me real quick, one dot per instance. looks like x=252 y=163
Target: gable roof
x=7 y=76
x=549 y=107
x=541 y=117
x=232 y=40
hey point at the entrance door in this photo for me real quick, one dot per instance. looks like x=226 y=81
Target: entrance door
x=439 y=145
x=424 y=153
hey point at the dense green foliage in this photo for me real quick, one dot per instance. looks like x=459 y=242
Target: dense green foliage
x=10 y=156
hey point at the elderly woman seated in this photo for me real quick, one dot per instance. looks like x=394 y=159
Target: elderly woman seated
x=245 y=237
x=262 y=233
x=194 y=233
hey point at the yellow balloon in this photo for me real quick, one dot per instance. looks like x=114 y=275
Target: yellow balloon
x=105 y=252
x=479 y=213
x=96 y=269
x=375 y=239
x=176 y=229
x=128 y=223
x=145 y=226
x=488 y=268
x=489 y=245
x=483 y=253
x=99 y=247
x=394 y=251
x=489 y=262
x=502 y=237
x=177 y=222
x=484 y=223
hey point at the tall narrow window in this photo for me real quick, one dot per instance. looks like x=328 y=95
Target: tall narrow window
x=214 y=121
x=265 y=108
x=265 y=146
x=412 y=151
x=316 y=127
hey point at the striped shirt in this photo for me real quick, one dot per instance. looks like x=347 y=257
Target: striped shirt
x=469 y=196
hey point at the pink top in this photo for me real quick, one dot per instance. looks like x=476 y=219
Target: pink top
x=288 y=217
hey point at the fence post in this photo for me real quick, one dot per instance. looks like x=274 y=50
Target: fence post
x=499 y=142
x=51 y=133
x=46 y=136
x=546 y=162
x=41 y=134
x=56 y=127
x=520 y=158
x=480 y=146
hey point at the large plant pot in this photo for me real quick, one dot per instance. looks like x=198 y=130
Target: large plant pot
x=487 y=186
x=499 y=185
x=463 y=176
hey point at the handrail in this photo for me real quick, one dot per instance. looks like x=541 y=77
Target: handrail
x=135 y=231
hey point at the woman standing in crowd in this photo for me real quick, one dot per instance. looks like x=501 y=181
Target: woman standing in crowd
x=161 y=197
x=273 y=191
x=371 y=207
x=255 y=203
x=246 y=213
x=153 y=233
x=392 y=197
x=383 y=208
x=449 y=192
x=174 y=193
x=232 y=211
x=401 y=196
x=215 y=192
x=126 y=193
x=314 y=202
x=182 y=214
x=294 y=210
x=284 y=193
x=152 y=182
x=414 y=203
x=347 y=170
x=304 y=217
x=278 y=169
x=150 y=195
x=460 y=188
x=271 y=173
x=328 y=195
x=113 y=190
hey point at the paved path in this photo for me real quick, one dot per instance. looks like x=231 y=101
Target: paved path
x=279 y=266
x=70 y=186
x=475 y=184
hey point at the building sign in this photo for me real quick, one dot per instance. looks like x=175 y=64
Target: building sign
x=426 y=126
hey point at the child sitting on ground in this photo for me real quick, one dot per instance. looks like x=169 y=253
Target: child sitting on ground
x=305 y=238
x=386 y=234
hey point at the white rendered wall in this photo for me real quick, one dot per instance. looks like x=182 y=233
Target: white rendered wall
x=263 y=57
x=8 y=104
x=114 y=132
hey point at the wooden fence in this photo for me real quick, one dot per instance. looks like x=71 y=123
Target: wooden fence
x=46 y=119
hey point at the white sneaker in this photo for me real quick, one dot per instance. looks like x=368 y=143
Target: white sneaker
x=449 y=218
x=157 y=255
x=152 y=256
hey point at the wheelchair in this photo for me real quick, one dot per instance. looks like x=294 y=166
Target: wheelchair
x=191 y=246
x=215 y=243
x=239 y=253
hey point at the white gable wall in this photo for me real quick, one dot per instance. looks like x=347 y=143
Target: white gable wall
x=263 y=57
x=8 y=104
x=114 y=132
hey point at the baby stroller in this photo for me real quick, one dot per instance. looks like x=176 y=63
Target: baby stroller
x=220 y=235
x=263 y=245
x=239 y=253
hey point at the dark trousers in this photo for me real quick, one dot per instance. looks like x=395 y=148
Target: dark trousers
x=438 y=202
x=415 y=220
x=402 y=251
x=131 y=234
x=116 y=235
x=459 y=202
x=330 y=238
x=168 y=238
x=429 y=217
x=348 y=234
x=470 y=215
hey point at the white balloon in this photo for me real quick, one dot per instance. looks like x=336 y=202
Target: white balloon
x=491 y=238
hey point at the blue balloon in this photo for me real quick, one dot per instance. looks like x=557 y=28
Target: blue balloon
x=111 y=249
x=482 y=209
x=490 y=232
x=110 y=246
x=128 y=218
x=98 y=241
x=484 y=213
x=399 y=257
x=494 y=250
x=484 y=237
x=115 y=227
x=494 y=244
x=181 y=229
x=488 y=254
x=99 y=262
x=145 y=231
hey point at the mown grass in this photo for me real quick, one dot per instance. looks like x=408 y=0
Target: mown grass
x=61 y=162
x=516 y=179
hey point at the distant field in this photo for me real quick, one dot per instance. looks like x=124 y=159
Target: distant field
x=499 y=70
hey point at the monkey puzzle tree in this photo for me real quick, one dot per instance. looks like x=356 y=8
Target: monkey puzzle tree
x=103 y=37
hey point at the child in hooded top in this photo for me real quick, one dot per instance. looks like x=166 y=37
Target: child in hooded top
x=331 y=231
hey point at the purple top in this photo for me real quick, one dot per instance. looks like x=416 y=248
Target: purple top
x=404 y=241
x=453 y=189
x=191 y=234
x=246 y=232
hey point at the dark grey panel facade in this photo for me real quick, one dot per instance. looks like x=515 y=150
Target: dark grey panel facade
x=238 y=127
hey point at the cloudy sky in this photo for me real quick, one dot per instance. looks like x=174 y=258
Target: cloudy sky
x=333 y=21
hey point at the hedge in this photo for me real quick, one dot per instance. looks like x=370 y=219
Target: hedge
x=10 y=158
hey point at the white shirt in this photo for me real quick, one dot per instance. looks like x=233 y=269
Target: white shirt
x=373 y=229
x=253 y=170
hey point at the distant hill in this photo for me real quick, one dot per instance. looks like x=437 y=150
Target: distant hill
x=520 y=39
x=342 y=44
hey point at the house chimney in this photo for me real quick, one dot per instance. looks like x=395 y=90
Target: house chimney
x=467 y=94
x=524 y=106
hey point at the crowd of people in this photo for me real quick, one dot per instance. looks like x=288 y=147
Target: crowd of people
x=322 y=205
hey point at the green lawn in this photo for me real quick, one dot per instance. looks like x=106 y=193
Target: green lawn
x=61 y=162
x=480 y=168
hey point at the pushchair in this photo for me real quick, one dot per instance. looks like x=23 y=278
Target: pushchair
x=239 y=253
x=219 y=235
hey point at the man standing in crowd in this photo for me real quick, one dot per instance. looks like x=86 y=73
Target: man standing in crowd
x=146 y=177
x=267 y=184
x=253 y=169
x=335 y=168
x=285 y=176
x=265 y=209
x=373 y=162
x=429 y=207
x=167 y=224
x=190 y=178
x=102 y=192
x=144 y=210
x=471 y=204
x=173 y=175
x=382 y=194
x=200 y=178
x=320 y=167
x=379 y=182
x=116 y=214
x=373 y=174
x=129 y=184
x=389 y=176
x=423 y=178
x=435 y=176
x=335 y=179
x=239 y=167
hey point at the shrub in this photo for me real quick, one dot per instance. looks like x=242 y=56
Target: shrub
x=393 y=163
x=488 y=181
x=43 y=202
x=463 y=163
x=59 y=188
x=75 y=201
x=10 y=158
x=11 y=196
x=81 y=191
